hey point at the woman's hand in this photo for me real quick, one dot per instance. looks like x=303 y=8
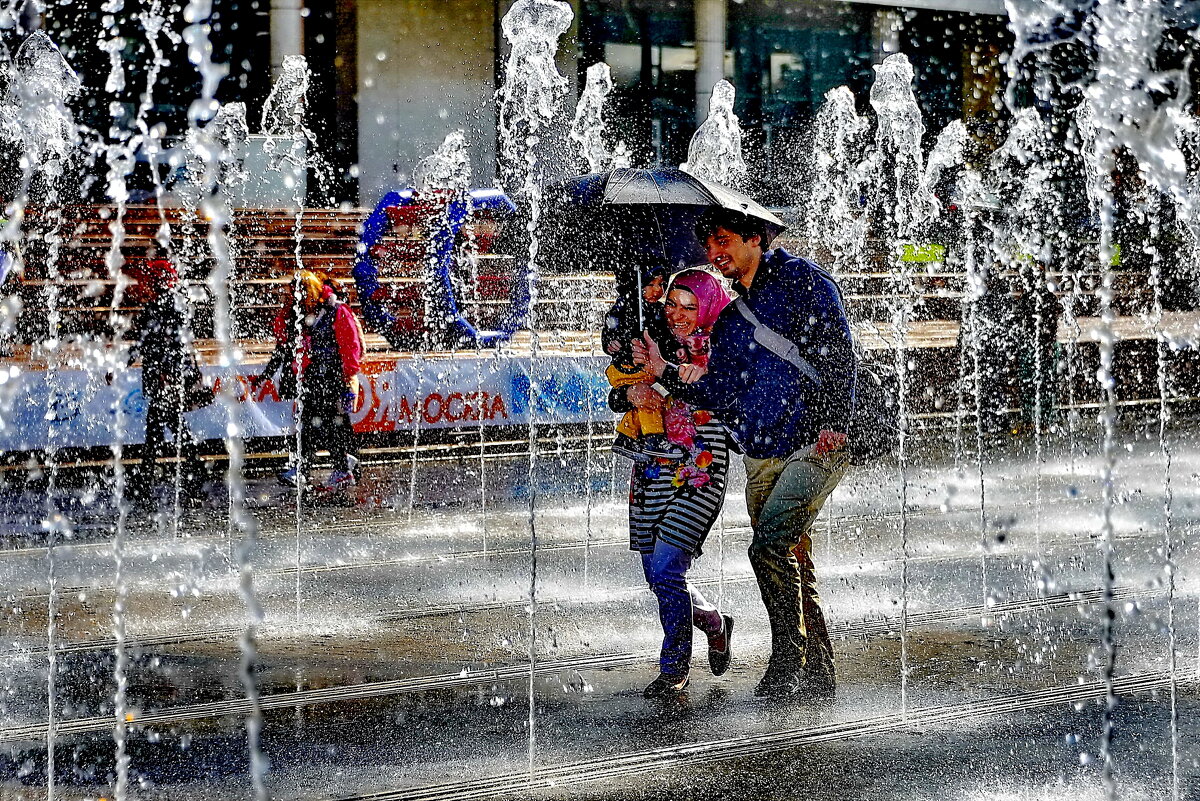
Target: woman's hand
x=643 y=397
x=647 y=354
x=691 y=373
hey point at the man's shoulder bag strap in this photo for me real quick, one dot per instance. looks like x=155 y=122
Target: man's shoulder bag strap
x=778 y=344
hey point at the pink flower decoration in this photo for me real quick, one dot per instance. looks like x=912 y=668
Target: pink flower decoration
x=678 y=422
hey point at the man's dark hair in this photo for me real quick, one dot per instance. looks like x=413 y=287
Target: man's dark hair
x=743 y=225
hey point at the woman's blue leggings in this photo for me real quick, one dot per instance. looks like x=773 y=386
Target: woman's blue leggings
x=680 y=605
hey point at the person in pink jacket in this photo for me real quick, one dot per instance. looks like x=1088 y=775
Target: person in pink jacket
x=330 y=352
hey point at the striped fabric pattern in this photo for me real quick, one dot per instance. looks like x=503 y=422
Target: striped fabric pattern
x=682 y=516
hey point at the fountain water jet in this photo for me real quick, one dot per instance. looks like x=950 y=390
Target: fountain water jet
x=441 y=179
x=36 y=118
x=898 y=210
x=588 y=129
x=715 y=152
x=530 y=99
x=200 y=48
x=834 y=221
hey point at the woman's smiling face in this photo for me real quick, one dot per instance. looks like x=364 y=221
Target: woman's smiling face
x=683 y=312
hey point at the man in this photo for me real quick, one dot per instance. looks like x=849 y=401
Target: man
x=790 y=419
x=171 y=378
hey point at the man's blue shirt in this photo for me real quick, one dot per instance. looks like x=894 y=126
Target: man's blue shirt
x=769 y=407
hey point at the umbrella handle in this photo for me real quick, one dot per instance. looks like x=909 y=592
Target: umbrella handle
x=640 y=305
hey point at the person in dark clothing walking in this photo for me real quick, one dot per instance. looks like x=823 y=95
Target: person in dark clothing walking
x=171 y=379
x=789 y=415
x=331 y=384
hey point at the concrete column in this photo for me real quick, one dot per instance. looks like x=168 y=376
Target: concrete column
x=423 y=88
x=32 y=18
x=568 y=55
x=287 y=32
x=710 y=51
x=885 y=34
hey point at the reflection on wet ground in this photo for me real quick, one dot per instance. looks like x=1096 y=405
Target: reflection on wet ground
x=394 y=656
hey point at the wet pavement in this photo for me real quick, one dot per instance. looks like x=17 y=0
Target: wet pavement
x=393 y=658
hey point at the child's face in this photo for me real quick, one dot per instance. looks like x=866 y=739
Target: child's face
x=653 y=291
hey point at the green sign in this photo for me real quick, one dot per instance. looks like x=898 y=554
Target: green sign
x=922 y=254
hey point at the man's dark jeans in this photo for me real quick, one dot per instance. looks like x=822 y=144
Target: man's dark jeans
x=164 y=413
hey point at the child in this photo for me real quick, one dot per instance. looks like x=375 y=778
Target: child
x=640 y=433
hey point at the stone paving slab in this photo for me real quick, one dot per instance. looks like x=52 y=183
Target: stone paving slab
x=407 y=674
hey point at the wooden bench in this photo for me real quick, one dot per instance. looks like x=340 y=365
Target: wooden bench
x=266 y=252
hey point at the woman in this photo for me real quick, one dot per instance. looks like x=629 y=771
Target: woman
x=673 y=504
x=331 y=349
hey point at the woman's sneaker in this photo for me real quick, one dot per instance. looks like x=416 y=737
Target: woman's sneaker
x=666 y=686
x=719 y=657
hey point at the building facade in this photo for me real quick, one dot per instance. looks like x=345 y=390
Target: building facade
x=392 y=77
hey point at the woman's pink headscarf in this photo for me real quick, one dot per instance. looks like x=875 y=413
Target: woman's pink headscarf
x=711 y=296
x=678 y=419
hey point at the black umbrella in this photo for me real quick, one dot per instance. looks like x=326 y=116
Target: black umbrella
x=626 y=219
